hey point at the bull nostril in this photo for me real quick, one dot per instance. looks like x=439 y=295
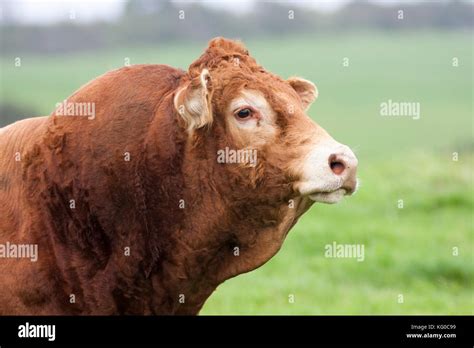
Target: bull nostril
x=337 y=166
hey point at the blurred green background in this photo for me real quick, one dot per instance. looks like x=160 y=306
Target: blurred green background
x=409 y=250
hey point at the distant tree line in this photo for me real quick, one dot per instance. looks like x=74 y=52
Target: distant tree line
x=148 y=22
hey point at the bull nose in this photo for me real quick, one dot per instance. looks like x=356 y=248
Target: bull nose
x=344 y=164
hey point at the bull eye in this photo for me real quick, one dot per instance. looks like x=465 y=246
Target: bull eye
x=244 y=113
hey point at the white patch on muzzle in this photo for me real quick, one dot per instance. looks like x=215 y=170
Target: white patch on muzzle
x=318 y=181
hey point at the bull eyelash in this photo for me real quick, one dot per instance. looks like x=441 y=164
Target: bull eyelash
x=255 y=113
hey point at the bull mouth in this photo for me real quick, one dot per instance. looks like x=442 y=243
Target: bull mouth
x=330 y=197
x=329 y=194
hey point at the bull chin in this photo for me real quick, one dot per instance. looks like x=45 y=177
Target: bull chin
x=328 y=197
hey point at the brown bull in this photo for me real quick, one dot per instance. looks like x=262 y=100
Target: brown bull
x=150 y=186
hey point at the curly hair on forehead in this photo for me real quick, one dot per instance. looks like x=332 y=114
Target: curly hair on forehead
x=223 y=53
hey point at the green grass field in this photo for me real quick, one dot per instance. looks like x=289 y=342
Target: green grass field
x=408 y=251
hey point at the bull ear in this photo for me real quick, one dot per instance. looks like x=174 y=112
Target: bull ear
x=193 y=102
x=305 y=89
